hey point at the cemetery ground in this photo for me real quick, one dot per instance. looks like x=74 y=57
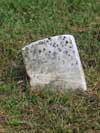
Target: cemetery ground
x=22 y=22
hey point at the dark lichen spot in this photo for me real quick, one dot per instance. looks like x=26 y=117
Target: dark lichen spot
x=44 y=49
x=76 y=62
x=59 y=49
x=49 y=51
x=49 y=38
x=54 y=54
x=74 y=51
x=64 y=38
x=40 y=51
x=70 y=46
x=54 y=45
x=66 y=42
x=66 y=52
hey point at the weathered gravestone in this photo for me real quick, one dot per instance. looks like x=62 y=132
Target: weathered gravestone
x=54 y=61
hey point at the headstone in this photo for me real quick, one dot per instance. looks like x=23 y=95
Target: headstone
x=54 y=61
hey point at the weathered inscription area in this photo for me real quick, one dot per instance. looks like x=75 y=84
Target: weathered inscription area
x=54 y=61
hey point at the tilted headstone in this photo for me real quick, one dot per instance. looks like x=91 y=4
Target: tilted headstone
x=54 y=61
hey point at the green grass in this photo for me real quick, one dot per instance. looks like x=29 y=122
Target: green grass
x=22 y=22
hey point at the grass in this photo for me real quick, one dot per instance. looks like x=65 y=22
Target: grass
x=22 y=22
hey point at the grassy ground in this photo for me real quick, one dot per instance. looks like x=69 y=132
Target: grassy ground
x=22 y=22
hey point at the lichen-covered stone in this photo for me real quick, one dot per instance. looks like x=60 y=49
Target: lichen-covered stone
x=54 y=61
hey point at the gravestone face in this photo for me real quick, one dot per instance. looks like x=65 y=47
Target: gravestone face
x=54 y=61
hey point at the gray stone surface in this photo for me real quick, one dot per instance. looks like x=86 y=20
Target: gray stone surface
x=54 y=61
